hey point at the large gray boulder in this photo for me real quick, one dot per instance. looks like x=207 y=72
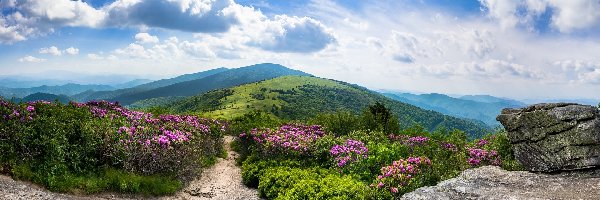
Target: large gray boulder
x=554 y=136
x=491 y=182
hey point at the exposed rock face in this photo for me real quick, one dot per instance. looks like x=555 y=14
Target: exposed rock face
x=554 y=136
x=491 y=182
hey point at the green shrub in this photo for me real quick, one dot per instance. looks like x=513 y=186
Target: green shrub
x=310 y=183
x=67 y=147
x=332 y=186
x=339 y=123
x=253 y=169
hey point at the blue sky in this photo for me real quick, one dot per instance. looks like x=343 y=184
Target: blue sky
x=518 y=49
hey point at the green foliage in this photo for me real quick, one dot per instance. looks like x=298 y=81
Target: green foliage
x=315 y=176
x=254 y=119
x=310 y=183
x=106 y=180
x=47 y=97
x=339 y=123
x=379 y=118
x=500 y=143
x=225 y=79
x=303 y=98
x=78 y=147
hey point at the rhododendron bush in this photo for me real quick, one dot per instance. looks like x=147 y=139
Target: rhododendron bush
x=385 y=165
x=48 y=142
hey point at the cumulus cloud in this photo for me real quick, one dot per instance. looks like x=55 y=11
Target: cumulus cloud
x=185 y=15
x=282 y=33
x=72 y=51
x=26 y=18
x=294 y=34
x=31 y=59
x=51 y=50
x=567 y=16
x=55 y=51
x=94 y=56
x=144 y=38
x=407 y=47
x=583 y=71
x=489 y=69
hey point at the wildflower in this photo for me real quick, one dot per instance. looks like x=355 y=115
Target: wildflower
x=30 y=108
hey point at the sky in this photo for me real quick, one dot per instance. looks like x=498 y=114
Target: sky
x=511 y=48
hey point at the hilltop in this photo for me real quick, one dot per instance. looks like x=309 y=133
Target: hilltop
x=302 y=97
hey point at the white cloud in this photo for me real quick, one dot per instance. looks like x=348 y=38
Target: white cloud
x=583 y=71
x=55 y=51
x=51 y=50
x=94 y=56
x=282 y=33
x=504 y=11
x=185 y=15
x=293 y=34
x=575 y=14
x=39 y=17
x=31 y=59
x=72 y=51
x=144 y=38
x=567 y=16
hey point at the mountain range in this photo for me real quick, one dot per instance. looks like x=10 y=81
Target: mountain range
x=283 y=92
x=302 y=97
x=477 y=107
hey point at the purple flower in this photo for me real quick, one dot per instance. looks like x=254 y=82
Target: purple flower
x=30 y=108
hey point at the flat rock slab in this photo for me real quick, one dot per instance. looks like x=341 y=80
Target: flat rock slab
x=491 y=182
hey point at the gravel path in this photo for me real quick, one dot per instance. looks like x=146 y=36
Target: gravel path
x=223 y=181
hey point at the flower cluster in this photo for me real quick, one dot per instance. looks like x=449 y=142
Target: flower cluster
x=351 y=151
x=399 y=138
x=417 y=140
x=400 y=174
x=481 y=156
x=449 y=146
x=10 y=111
x=407 y=140
x=482 y=142
x=289 y=138
x=149 y=144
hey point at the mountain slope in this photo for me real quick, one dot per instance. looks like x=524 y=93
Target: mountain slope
x=225 y=79
x=302 y=97
x=493 y=99
x=67 y=89
x=46 y=97
x=105 y=95
x=486 y=109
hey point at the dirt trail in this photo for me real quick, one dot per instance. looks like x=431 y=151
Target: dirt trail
x=223 y=181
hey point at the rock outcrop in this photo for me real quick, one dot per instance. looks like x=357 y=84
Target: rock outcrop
x=491 y=182
x=554 y=136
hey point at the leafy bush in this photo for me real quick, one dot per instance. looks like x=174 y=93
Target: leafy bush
x=339 y=123
x=311 y=183
x=254 y=119
x=62 y=146
x=393 y=163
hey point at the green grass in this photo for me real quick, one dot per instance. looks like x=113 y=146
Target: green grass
x=302 y=98
x=242 y=101
x=108 y=180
